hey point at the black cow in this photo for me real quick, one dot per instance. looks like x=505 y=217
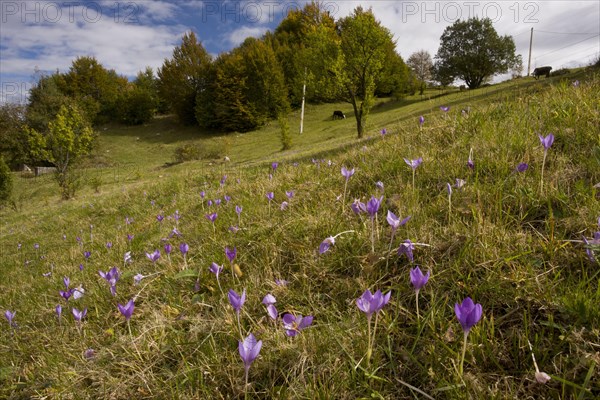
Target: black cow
x=539 y=71
x=337 y=114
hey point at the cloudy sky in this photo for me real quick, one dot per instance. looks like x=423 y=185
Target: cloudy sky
x=127 y=36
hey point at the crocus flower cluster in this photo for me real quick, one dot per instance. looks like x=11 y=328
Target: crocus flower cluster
x=112 y=276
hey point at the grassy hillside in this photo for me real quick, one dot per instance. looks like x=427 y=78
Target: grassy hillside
x=512 y=241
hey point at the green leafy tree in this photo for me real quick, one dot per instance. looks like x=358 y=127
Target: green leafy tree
x=45 y=100
x=6 y=183
x=140 y=102
x=69 y=138
x=247 y=89
x=473 y=51
x=183 y=76
x=306 y=44
x=365 y=45
x=13 y=142
x=96 y=89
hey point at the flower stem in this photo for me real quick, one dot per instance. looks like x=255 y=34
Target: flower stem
x=246 y=384
x=464 y=350
x=369 y=340
x=543 y=165
x=417 y=301
x=239 y=326
x=344 y=197
x=387 y=260
x=372 y=235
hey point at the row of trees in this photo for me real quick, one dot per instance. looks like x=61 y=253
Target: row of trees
x=352 y=59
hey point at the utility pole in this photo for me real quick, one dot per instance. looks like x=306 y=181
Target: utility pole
x=303 y=96
x=530 y=43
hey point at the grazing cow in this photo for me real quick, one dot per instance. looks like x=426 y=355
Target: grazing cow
x=337 y=114
x=539 y=71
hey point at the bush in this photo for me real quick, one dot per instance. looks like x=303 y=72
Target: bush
x=205 y=151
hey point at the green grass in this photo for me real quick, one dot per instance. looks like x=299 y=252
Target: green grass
x=511 y=246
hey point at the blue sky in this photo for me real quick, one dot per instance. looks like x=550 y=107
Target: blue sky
x=129 y=35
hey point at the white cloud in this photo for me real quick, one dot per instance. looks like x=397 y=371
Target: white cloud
x=237 y=36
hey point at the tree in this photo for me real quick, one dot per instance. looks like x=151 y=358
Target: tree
x=471 y=50
x=96 y=89
x=69 y=138
x=364 y=45
x=140 y=102
x=13 y=141
x=183 y=76
x=421 y=64
x=6 y=183
x=247 y=89
x=306 y=43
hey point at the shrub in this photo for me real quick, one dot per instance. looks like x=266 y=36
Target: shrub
x=205 y=151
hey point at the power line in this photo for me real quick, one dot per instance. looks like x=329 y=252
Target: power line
x=569 y=33
x=564 y=47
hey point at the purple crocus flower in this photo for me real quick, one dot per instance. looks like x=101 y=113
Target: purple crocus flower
x=270 y=196
x=371 y=303
x=66 y=294
x=281 y=282
x=470 y=164
x=202 y=194
x=211 y=217
x=236 y=300
x=58 y=310
x=127 y=309
x=9 y=316
x=294 y=324
x=223 y=179
x=289 y=194
x=168 y=249
x=87 y=254
x=445 y=108
x=284 y=205
x=227 y=198
x=184 y=248
x=160 y=218
x=379 y=185
x=407 y=248
x=109 y=245
x=269 y=299
x=522 y=167
x=79 y=315
x=421 y=120
x=66 y=282
x=414 y=164
x=154 y=256
x=230 y=253
x=129 y=237
x=357 y=207
x=394 y=221
x=238 y=210
x=249 y=350
x=326 y=244
x=274 y=166
x=215 y=269
x=112 y=276
x=373 y=205
x=272 y=311
x=383 y=132
x=217 y=202
x=347 y=173
x=595 y=241
x=417 y=278
x=546 y=141
x=468 y=314
x=137 y=279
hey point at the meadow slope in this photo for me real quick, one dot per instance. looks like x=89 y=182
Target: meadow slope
x=511 y=239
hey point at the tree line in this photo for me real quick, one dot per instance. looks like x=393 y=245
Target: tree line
x=353 y=59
